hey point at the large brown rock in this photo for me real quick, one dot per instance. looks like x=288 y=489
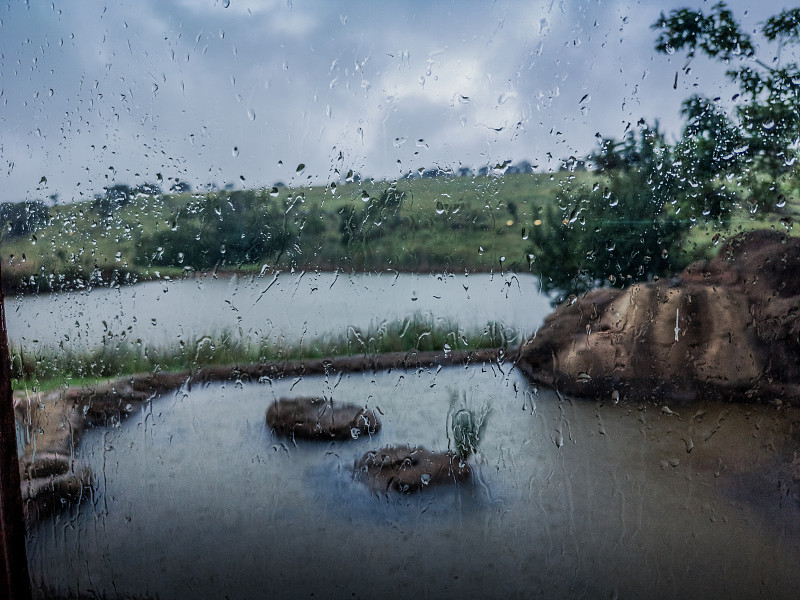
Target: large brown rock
x=321 y=419
x=726 y=328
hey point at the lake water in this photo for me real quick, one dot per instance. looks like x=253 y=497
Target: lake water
x=288 y=307
x=195 y=498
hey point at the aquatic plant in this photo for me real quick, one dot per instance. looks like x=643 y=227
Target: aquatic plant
x=466 y=424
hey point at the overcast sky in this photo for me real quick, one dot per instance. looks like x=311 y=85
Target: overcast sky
x=210 y=91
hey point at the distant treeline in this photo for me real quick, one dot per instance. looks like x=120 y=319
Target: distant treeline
x=238 y=227
x=23 y=218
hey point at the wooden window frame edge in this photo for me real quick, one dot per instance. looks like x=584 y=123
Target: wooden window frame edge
x=14 y=577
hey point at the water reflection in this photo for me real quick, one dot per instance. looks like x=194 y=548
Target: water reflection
x=196 y=498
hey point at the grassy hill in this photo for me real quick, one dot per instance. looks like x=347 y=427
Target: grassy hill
x=443 y=223
x=479 y=223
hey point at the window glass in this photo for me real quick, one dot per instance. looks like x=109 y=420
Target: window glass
x=437 y=299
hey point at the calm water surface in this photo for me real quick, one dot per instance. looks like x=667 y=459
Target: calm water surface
x=195 y=498
x=286 y=307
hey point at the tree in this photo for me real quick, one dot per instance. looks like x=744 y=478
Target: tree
x=22 y=218
x=624 y=230
x=378 y=217
x=629 y=226
x=223 y=228
x=768 y=109
x=710 y=149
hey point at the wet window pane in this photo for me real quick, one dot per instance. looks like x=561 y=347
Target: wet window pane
x=342 y=300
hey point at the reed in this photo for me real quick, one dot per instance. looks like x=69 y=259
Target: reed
x=47 y=367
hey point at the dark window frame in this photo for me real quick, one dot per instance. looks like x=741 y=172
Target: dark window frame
x=14 y=577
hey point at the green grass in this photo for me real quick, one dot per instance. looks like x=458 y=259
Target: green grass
x=449 y=223
x=47 y=368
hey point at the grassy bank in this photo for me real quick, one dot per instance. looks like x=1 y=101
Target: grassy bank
x=48 y=368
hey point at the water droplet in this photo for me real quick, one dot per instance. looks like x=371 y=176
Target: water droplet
x=274 y=192
x=768 y=125
x=463 y=99
x=559 y=439
x=251 y=114
x=226 y=3
x=398 y=141
x=781 y=201
x=235 y=151
x=300 y=167
x=364 y=195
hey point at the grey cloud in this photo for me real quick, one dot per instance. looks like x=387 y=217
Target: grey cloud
x=173 y=87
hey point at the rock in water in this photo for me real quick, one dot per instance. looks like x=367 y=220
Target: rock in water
x=726 y=328
x=409 y=469
x=320 y=418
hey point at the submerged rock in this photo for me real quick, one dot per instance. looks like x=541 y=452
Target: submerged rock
x=410 y=469
x=321 y=418
x=726 y=328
